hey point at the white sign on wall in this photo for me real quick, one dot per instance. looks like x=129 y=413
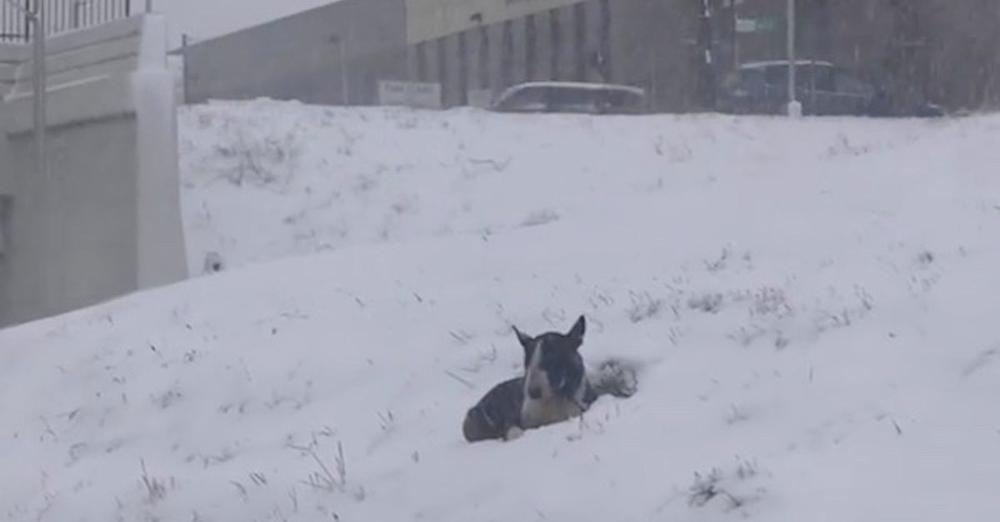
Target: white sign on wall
x=746 y=25
x=410 y=94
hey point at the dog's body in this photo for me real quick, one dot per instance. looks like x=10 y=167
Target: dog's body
x=498 y=414
x=503 y=413
x=554 y=388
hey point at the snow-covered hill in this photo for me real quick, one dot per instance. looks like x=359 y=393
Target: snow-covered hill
x=812 y=304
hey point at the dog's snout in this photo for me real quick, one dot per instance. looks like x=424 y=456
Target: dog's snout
x=535 y=392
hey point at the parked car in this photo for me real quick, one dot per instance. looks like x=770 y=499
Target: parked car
x=572 y=97
x=821 y=87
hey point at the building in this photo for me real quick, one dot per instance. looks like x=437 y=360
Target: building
x=330 y=55
x=678 y=50
x=472 y=48
x=483 y=46
x=945 y=51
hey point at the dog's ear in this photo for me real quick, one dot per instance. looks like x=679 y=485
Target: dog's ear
x=526 y=341
x=578 y=329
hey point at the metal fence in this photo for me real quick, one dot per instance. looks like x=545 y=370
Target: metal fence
x=60 y=16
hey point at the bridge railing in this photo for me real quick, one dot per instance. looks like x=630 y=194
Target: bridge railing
x=60 y=16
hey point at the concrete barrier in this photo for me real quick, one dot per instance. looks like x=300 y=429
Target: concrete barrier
x=105 y=220
x=10 y=58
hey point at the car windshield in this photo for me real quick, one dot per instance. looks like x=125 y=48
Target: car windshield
x=570 y=98
x=527 y=99
x=822 y=77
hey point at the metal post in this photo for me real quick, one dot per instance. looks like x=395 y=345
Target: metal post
x=345 y=81
x=345 y=97
x=708 y=83
x=794 y=107
x=735 y=28
x=185 y=78
x=345 y=56
x=40 y=79
x=149 y=6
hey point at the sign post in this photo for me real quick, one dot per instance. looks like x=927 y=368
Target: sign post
x=794 y=107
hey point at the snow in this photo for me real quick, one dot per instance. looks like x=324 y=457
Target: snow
x=811 y=302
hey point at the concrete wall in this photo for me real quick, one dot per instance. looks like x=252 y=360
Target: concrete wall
x=10 y=57
x=299 y=57
x=105 y=219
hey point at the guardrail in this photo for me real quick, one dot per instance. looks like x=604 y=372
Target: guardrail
x=60 y=16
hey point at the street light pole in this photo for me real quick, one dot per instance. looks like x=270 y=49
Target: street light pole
x=794 y=107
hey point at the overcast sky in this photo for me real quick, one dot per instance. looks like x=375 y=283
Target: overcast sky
x=207 y=18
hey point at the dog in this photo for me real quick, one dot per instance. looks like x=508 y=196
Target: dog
x=555 y=387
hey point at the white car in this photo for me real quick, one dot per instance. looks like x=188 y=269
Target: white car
x=572 y=97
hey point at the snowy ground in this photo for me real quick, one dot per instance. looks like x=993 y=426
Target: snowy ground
x=813 y=304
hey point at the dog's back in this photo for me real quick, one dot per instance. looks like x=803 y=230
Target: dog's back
x=496 y=413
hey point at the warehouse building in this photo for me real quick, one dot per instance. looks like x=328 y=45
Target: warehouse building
x=330 y=55
x=471 y=49
x=443 y=53
x=476 y=48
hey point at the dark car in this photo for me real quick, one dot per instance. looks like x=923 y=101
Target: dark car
x=821 y=87
x=572 y=97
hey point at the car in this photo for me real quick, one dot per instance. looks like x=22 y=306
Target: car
x=571 y=97
x=822 y=87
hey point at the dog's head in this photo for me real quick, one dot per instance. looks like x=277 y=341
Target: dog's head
x=552 y=363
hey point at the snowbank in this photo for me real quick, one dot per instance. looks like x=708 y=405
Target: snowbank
x=812 y=304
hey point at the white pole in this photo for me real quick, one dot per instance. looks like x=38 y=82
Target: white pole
x=794 y=107
x=38 y=57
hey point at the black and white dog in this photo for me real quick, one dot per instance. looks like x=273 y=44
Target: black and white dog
x=554 y=388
